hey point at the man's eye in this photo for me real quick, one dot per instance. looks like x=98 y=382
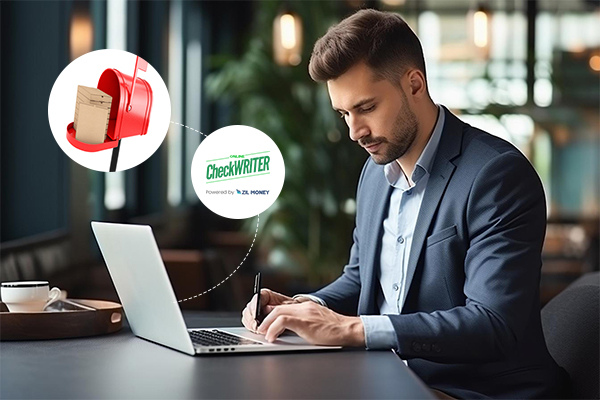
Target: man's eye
x=342 y=115
x=368 y=109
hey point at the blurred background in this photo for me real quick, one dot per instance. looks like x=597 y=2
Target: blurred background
x=527 y=71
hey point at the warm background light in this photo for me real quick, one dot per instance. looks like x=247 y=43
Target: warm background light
x=288 y=31
x=393 y=3
x=480 y=29
x=287 y=39
x=81 y=36
x=595 y=62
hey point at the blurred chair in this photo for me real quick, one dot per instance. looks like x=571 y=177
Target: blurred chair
x=187 y=273
x=228 y=293
x=48 y=257
x=203 y=280
x=234 y=281
x=571 y=326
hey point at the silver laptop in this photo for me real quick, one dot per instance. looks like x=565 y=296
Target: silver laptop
x=138 y=273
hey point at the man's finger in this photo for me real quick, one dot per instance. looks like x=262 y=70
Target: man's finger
x=265 y=294
x=268 y=308
x=252 y=305
x=287 y=309
x=245 y=317
x=264 y=325
x=248 y=320
x=266 y=298
x=280 y=324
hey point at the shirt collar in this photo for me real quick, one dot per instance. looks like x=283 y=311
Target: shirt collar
x=393 y=172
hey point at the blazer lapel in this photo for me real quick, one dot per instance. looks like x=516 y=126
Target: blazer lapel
x=442 y=170
x=378 y=197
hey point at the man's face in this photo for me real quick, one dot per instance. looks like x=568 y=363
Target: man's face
x=377 y=113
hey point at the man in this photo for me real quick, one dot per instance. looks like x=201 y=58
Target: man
x=445 y=265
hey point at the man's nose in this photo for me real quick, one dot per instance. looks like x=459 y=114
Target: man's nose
x=357 y=127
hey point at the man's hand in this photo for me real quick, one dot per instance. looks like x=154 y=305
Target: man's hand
x=268 y=300
x=314 y=323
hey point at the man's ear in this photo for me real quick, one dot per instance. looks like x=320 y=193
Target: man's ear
x=417 y=83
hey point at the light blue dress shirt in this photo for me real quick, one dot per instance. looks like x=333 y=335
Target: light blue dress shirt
x=398 y=229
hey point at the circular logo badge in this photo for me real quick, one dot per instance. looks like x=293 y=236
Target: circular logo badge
x=238 y=172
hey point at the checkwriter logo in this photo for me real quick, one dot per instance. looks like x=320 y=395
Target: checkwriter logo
x=239 y=166
x=238 y=172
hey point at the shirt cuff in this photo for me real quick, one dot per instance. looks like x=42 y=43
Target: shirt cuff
x=316 y=299
x=379 y=332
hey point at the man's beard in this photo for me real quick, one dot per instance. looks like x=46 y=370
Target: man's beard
x=405 y=131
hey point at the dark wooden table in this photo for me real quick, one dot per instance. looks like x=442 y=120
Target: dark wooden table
x=121 y=365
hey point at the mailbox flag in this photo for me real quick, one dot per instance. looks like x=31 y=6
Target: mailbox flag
x=142 y=64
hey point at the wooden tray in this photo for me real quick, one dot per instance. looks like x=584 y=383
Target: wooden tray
x=106 y=318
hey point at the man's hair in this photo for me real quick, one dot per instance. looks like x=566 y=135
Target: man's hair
x=383 y=40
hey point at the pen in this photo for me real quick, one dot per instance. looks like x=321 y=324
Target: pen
x=257 y=317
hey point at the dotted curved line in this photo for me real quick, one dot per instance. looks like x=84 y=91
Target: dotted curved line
x=234 y=271
x=185 y=126
x=249 y=250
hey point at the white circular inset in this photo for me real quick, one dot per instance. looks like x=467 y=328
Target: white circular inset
x=86 y=71
x=238 y=172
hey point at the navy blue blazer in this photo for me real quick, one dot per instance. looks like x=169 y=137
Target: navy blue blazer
x=470 y=325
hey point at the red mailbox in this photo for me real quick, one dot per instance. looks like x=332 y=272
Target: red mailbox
x=130 y=108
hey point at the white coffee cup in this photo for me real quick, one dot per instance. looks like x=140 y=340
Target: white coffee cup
x=28 y=296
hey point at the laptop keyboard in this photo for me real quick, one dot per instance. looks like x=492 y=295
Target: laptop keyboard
x=218 y=338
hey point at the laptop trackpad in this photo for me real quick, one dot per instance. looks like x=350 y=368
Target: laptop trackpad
x=288 y=337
